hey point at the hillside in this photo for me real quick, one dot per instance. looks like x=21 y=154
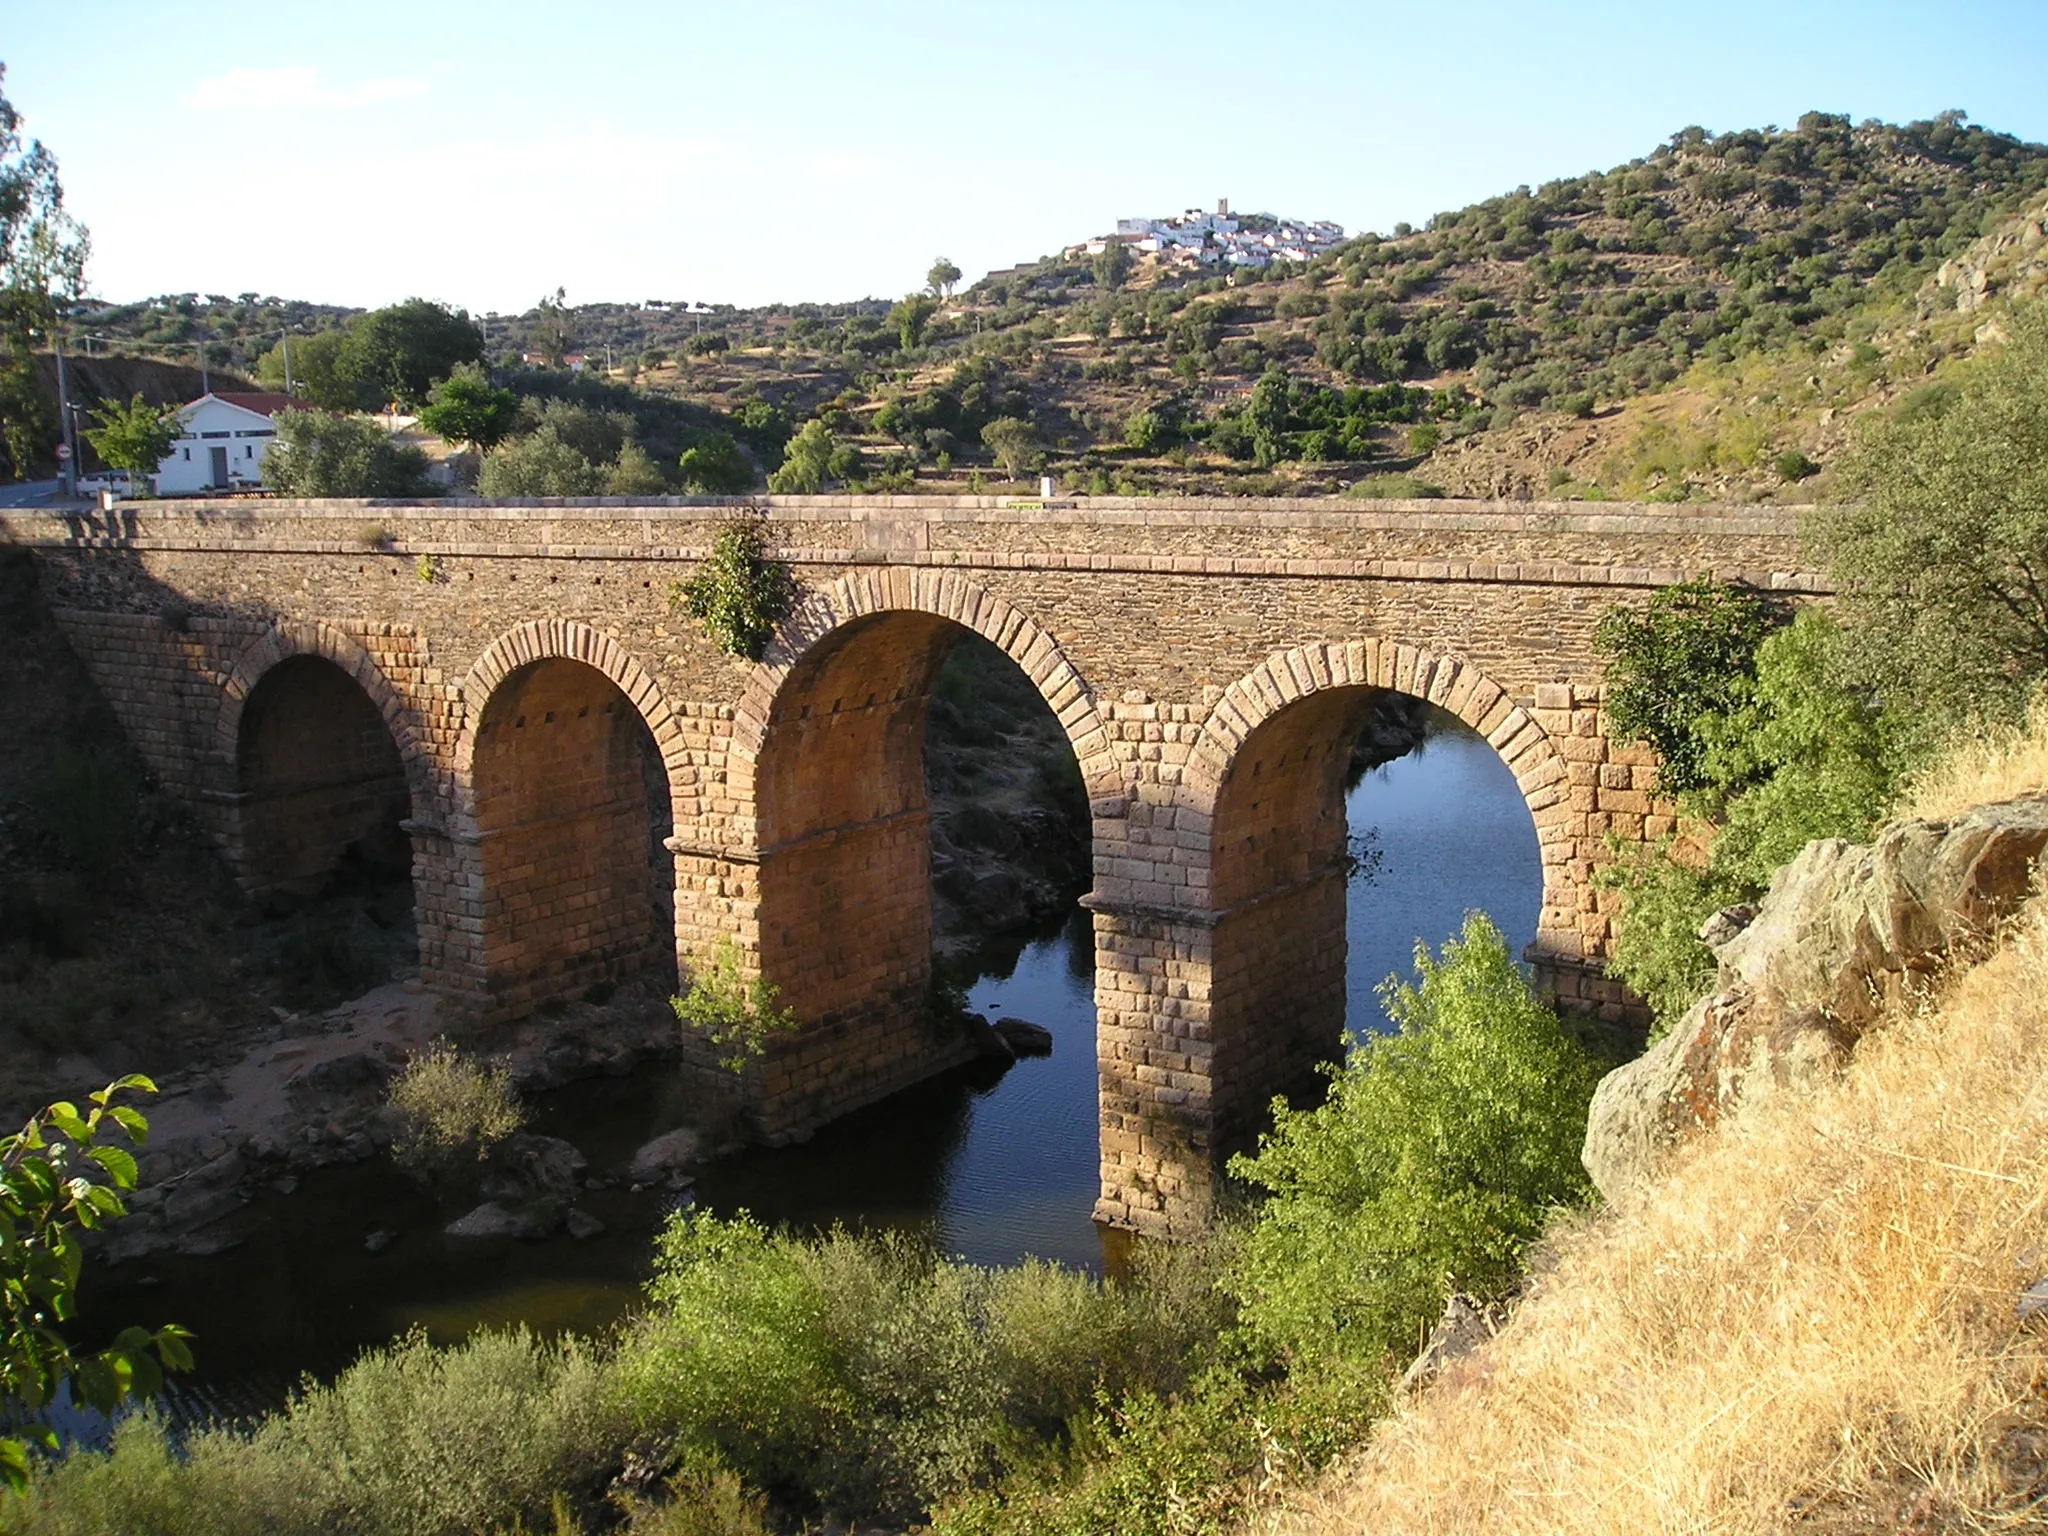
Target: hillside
x=1700 y=322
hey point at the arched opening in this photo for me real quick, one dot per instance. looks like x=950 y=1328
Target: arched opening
x=572 y=814
x=849 y=846
x=1352 y=823
x=323 y=788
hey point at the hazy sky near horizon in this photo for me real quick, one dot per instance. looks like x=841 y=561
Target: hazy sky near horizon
x=482 y=154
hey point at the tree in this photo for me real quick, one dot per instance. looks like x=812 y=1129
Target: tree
x=1438 y=1157
x=42 y=270
x=1014 y=444
x=467 y=408
x=540 y=463
x=60 y=1176
x=634 y=473
x=551 y=326
x=909 y=316
x=1675 y=660
x=1941 y=562
x=318 y=453
x=399 y=353
x=715 y=467
x=942 y=276
x=313 y=375
x=1112 y=265
x=806 y=462
x=136 y=437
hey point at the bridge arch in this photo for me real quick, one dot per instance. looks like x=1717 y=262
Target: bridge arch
x=1268 y=777
x=322 y=758
x=827 y=755
x=565 y=772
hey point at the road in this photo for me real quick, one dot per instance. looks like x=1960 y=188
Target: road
x=27 y=493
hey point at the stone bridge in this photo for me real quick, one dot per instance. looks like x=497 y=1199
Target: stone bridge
x=507 y=694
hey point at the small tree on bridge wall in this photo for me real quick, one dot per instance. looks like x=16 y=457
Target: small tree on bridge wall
x=738 y=593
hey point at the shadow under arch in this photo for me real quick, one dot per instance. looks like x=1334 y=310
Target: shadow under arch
x=1269 y=772
x=321 y=760
x=565 y=773
x=828 y=752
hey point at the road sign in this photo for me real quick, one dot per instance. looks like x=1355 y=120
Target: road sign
x=63 y=452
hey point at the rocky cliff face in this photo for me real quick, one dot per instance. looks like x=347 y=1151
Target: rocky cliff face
x=1846 y=931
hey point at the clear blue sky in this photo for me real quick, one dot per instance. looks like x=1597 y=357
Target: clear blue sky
x=748 y=152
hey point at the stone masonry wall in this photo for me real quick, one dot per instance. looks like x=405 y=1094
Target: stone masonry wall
x=1163 y=634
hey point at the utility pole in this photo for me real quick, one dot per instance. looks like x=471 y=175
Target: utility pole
x=285 y=342
x=67 y=477
x=204 y=387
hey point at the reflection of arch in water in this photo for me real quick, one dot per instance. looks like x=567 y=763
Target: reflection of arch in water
x=1270 y=772
x=569 y=766
x=828 y=750
x=326 y=762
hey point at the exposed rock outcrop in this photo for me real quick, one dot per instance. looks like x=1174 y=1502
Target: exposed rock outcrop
x=1847 y=930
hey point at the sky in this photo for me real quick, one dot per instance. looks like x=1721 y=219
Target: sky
x=758 y=151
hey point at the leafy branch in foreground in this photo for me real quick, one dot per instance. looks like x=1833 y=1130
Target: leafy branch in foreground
x=734 y=1011
x=58 y=1179
x=738 y=593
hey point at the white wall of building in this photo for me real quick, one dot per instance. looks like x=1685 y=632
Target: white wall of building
x=222 y=446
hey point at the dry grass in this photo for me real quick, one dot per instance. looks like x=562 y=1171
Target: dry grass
x=1810 y=1326
x=1982 y=767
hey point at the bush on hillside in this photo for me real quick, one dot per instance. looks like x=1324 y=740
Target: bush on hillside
x=1942 y=563
x=1793 y=754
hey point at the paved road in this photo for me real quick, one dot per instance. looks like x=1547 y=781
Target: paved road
x=27 y=493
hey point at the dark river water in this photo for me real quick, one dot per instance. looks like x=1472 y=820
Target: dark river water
x=992 y=1164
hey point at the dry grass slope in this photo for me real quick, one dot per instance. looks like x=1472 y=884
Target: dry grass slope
x=1811 y=1326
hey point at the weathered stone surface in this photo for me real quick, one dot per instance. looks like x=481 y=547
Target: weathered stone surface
x=1846 y=931
x=491 y=1220
x=1025 y=1038
x=525 y=1168
x=674 y=1152
x=1465 y=1325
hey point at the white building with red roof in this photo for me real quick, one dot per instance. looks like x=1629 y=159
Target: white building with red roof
x=222 y=445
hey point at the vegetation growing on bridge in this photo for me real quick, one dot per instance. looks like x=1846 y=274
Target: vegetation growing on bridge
x=738 y=593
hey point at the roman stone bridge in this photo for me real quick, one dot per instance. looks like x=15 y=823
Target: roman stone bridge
x=507 y=695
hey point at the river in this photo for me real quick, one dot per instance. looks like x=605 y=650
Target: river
x=992 y=1163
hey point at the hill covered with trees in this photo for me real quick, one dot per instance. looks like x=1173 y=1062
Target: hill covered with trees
x=1698 y=323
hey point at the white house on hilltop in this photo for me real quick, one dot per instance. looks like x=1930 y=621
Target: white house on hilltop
x=223 y=442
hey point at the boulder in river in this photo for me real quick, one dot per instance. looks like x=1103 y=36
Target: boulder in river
x=667 y=1154
x=1025 y=1038
x=492 y=1220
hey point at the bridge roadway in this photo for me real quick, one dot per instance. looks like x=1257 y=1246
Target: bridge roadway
x=507 y=695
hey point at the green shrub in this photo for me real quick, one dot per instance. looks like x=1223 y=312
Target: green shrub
x=316 y=453
x=734 y=1011
x=1794 y=466
x=450 y=1110
x=540 y=463
x=1436 y=1160
x=738 y=593
x=1673 y=661
x=1794 y=754
x=410 y=1441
